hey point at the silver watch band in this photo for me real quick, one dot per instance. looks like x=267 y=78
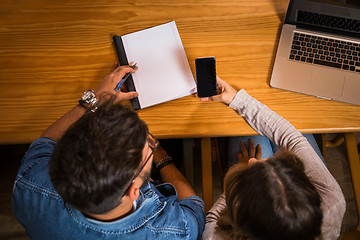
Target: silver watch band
x=90 y=98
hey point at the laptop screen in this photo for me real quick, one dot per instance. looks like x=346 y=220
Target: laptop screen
x=326 y=15
x=343 y=3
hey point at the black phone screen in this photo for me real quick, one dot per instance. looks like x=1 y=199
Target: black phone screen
x=205 y=76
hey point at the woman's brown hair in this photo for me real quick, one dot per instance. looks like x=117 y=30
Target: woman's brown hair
x=273 y=199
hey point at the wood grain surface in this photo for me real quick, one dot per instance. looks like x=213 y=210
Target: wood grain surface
x=52 y=51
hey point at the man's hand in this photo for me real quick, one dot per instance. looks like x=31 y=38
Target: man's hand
x=110 y=82
x=244 y=156
x=106 y=87
x=226 y=93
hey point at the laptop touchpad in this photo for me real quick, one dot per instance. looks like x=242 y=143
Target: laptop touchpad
x=351 y=88
x=327 y=83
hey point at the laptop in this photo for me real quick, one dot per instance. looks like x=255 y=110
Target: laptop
x=319 y=50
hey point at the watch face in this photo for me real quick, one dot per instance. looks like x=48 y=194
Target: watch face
x=87 y=96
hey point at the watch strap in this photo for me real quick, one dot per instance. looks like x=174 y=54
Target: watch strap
x=164 y=164
x=82 y=103
x=163 y=160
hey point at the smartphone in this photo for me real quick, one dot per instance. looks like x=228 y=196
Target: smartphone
x=205 y=76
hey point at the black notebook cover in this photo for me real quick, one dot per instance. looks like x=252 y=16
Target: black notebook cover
x=123 y=61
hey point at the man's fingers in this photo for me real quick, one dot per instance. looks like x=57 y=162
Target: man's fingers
x=258 y=152
x=127 y=95
x=114 y=66
x=131 y=95
x=123 y=70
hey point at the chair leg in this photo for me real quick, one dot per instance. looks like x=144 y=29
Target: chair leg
x=206 y=166
x=188 y=150
x=354 y=163
x=216 y=158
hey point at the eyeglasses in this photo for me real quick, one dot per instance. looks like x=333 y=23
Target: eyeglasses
x=153 y=145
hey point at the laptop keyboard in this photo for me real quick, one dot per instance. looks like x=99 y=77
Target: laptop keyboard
x=323 y=20
x=325 y=51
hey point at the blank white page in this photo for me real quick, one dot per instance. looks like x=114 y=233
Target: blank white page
x=164 y=72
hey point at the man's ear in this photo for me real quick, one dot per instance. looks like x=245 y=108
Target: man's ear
x=133 y=192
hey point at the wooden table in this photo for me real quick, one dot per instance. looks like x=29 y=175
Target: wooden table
x=51 y=51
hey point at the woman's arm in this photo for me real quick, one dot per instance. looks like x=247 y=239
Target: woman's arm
x=284 y=135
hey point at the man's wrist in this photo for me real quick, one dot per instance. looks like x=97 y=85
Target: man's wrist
x=165 y=164
x=163 y=161
x=83 y=105
x=89 y=101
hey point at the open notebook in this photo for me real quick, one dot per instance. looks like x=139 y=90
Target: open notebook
x=164 y=72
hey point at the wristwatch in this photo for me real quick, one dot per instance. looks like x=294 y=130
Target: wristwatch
x=89 y=97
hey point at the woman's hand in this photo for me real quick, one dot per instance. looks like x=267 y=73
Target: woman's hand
x=226 y=93
x=112 y=79
x=249 y=153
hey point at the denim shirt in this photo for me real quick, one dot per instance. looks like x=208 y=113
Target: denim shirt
x=44 y=215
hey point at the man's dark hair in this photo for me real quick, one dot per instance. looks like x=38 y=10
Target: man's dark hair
x=273 y=199
x=97 y=157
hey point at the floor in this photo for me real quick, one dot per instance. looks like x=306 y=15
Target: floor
x=10 y=162
x=12 y=154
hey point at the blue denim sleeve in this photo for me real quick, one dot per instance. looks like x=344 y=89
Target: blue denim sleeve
x=194 y=206
x=40 y=150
